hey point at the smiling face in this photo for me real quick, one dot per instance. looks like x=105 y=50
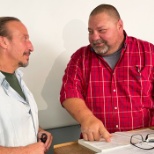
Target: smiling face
x=18 y=45
x=105 y=33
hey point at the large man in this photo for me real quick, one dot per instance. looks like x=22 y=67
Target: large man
x=19 y=126
x=108 y=85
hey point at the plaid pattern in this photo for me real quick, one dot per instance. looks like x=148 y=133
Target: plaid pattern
x=122 y=98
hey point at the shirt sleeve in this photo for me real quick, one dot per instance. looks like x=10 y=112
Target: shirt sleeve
x=72 y=83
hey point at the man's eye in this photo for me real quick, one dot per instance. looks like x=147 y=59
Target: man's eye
x=26 y=38
x=102 y=30
x=90 y=32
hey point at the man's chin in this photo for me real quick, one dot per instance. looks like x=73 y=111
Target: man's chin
x=23 y=64
x=101 y=52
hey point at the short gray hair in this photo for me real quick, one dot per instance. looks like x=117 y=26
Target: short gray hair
x=106 y=8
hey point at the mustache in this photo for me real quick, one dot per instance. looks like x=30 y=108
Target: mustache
x=27 y=53
x=98 y=42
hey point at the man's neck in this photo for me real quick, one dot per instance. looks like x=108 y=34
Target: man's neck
x=7 y=64
x=11 y=71
x=7 y=73
x=7 y=69
x=118 y=46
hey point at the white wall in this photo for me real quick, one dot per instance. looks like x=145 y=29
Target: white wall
x=57 y=29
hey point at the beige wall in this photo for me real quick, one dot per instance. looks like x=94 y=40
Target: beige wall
x=57 y=28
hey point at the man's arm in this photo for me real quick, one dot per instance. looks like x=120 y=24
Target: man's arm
x=91 y=127
x=36 y=148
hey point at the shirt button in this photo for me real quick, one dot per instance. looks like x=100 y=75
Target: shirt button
x=114 y=90
x=115 y=108
x=117 y=126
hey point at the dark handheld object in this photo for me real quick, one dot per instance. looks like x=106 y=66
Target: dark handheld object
x=43 y=137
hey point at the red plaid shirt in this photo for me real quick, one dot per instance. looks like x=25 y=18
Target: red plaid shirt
x=123 y=97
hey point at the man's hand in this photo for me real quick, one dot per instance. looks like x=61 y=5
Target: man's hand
x=49 y=138
x=93 y=129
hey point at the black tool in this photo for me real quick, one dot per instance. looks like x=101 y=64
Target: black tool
x=43 y=137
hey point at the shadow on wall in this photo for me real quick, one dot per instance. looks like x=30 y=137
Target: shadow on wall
x=74 y=36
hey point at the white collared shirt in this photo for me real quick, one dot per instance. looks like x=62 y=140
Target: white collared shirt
x=18 y=118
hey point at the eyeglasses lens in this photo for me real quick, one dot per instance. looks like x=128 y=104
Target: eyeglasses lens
x=138 y=141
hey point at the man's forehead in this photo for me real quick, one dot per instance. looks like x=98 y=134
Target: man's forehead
x=17 y=27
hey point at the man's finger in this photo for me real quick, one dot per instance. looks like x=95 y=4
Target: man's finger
x=106 y=135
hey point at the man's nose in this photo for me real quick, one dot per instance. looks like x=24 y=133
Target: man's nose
x=30 y=46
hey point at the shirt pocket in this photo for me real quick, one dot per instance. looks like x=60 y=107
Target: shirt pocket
x=145 y=78
x=141 y=85
x=140 y=79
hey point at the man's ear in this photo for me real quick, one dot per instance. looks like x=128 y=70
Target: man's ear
x=3 y=42
x=120 y=24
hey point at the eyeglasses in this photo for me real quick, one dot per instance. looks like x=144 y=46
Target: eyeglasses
x=146 y=144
